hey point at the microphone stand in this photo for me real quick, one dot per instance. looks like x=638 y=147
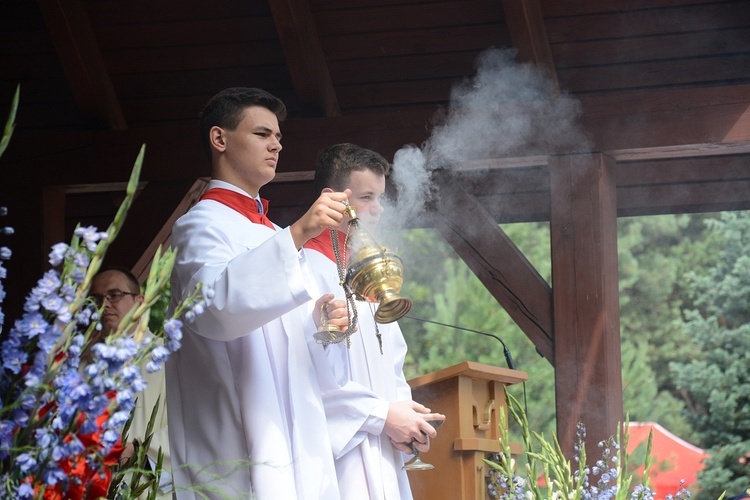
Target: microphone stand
x=506 y=351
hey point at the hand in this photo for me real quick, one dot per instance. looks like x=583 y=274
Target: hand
x=336 y=312
x=407 y=447
x=328 y=211
x=407 y=422
x=127 y=452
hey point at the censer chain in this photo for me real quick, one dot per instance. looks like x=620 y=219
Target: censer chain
x=351 y=308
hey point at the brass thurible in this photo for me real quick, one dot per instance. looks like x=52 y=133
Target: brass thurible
x=374 y=273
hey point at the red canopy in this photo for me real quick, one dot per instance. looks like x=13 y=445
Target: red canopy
x=673 y=459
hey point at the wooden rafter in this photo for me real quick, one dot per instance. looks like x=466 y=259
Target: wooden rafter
x=305 y=60
x=497 y=262
x=163 y=238
x=528 y=34
x=79 y=54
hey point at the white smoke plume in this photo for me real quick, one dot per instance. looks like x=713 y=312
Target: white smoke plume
x=506 y=109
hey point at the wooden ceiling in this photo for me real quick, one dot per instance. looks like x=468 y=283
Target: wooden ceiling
x=100 y=77
x=663 y=88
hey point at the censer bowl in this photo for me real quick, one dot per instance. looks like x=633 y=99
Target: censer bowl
x=376 y=275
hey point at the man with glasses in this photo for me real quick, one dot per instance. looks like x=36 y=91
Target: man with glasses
x=115 y=292
x=118 y=291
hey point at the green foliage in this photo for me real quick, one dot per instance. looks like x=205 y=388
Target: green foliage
x=715 y=380
x=609 y=476
x=445 y=290
x=643 y=400
x=654 y=255
x=10 y=124
x=159 y=310
x=126 y=482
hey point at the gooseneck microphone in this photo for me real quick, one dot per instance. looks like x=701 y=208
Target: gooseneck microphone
x=506 y=351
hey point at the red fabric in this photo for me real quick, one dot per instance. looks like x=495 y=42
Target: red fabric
x=673 y=458
x=243 y=204
x=323 y=244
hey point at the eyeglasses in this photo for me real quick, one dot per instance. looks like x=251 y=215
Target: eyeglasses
x=112 y=296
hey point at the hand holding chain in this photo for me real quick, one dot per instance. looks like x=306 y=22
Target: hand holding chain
x=330 y=336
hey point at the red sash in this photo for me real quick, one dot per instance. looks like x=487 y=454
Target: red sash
x=323 y=244
x=243 y=204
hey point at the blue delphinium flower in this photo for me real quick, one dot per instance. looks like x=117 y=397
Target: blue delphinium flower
x=49 y=283
x=173 y=334
x=58 y=254
x=81 y=260
x=90 y=236
x=49 y=338
x=6 y=438
x=35 y=374
x=79 y=275
x=158 y=356
x=26 y=463
x=25 y=491
x=13 y=355
x=61 y=394
x=33 y=324
x=52 y=474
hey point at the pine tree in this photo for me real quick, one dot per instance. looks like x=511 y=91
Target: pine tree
x=715 y=382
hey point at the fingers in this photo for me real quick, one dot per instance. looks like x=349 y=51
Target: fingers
x=328 y=211
x=426 y=427
x=338 y=314
x=331 y=208
x=405 y=422
x=422 y=447
x=332 y=312
x=419 y=408
x=320 y=313
x=323 y=301
x=404 y=447
x=427 y=430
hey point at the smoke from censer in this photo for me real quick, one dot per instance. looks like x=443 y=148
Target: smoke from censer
x=505 y=110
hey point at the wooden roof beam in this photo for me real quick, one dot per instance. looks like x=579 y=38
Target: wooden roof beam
x=79 y=54
x=528 y=34
x=494 y=258
x=304 y=56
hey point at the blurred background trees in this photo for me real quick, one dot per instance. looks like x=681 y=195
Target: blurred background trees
x=685 y=328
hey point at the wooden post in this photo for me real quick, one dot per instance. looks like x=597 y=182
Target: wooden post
x=583 y=227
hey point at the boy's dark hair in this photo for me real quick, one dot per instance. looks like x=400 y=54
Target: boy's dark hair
x=335 y=164
x=225 y=109
x=133 y=285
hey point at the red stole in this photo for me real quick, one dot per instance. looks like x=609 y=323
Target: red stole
x=323 y=244
x=243 y=204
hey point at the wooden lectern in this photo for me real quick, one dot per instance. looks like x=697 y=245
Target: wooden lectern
x=470 y=395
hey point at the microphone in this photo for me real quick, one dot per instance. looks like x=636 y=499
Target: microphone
x=506 y=351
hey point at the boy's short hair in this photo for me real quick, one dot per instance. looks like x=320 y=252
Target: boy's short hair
x=225 y=110
x=336 y=163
